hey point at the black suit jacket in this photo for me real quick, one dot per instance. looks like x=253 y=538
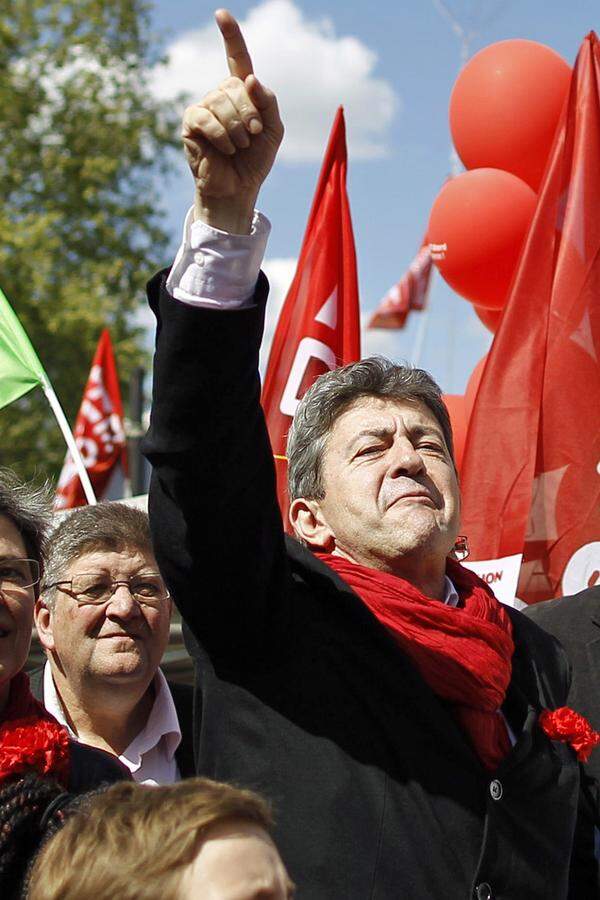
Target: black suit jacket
x=183 y=697
x=304 y=696
x=575 y=621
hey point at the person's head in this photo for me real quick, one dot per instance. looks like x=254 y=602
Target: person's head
x=24 y=515
x=195 y=839
x=371 y=471
x=94 y=631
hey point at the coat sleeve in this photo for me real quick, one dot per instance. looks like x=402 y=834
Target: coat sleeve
x=215 y=521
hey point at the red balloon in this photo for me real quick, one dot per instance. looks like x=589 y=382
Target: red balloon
x=488 y=317
x=457 y=410
x=473 y=385
x=480 y=219
x=505 y=106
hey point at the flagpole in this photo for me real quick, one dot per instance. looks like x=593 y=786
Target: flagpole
x=70 y=440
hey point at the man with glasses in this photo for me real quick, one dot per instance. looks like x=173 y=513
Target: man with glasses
x=103 y=619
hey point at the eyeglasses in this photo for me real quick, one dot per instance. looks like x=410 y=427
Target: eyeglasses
x=95 y=588
x=18 y=574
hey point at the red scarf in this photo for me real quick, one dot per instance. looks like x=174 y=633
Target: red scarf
x=464 y=654
x=31 y=738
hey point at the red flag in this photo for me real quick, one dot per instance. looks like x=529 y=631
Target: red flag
x=99 y=431
x=319 y=324
x=531 y=473
x=410 y=293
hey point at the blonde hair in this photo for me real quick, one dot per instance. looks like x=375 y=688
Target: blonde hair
x=133 y=842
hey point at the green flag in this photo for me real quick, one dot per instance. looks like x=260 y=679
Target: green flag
x=20 y=368
x=20 y=371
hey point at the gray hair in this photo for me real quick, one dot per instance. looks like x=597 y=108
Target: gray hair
x=105 y=526
x=28 y=508
x=335 y=392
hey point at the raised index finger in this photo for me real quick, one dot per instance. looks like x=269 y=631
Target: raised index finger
x=238 y=58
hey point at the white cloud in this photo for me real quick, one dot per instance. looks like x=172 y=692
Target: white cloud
x=311 y=69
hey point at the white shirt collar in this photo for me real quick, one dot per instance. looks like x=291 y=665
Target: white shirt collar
x=52 y=701
x=451 y=597
x=162 y=723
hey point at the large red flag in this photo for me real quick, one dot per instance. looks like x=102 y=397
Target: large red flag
x=531 y=472
x=319 y=324
x=99 y=431
x=410 y=293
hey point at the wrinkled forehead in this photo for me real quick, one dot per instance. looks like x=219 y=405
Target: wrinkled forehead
x=381 y=413
x=127 y=560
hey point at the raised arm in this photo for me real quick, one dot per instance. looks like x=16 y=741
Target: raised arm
x=214 y=516
x=231 y=138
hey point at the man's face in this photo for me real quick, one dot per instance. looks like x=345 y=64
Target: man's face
x=390 y=485
x=16 y=607
x=118 y=641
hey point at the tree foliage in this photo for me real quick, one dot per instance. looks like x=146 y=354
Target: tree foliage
x=84 y=146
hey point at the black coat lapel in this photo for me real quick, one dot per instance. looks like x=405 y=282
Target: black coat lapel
x=183 y=699
x=535 y=759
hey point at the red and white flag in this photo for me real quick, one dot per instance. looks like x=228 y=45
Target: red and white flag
x=410 y=293
x=99 y=431
x=531 y=472
x=319 y=324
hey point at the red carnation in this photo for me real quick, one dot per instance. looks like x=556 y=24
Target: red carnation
x=34 y=744
x=564 y=724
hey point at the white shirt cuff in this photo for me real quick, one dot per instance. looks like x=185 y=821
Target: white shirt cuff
x=215 y=269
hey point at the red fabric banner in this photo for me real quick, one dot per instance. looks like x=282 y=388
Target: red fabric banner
x=410 y=293
x=531 y=472
x=99 y=431
x=319 y=324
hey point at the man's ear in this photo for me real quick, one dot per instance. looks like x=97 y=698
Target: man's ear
x=44 y=624
x=308 y=522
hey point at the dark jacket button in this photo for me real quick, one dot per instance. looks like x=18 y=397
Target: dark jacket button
x=496 y=789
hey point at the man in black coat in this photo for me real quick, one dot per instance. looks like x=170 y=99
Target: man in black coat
x=380 y=787
x=575 y=621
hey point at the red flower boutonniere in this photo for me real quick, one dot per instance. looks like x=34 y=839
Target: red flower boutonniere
x=564 y=724
x=35 y=744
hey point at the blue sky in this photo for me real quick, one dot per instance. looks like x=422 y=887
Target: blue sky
x=394 y=72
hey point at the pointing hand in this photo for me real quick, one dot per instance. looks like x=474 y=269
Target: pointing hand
x=231 y=138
